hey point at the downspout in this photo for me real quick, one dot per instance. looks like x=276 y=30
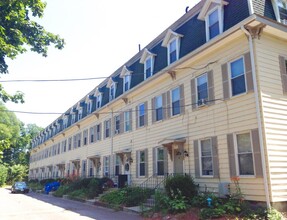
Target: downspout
x=256 y=94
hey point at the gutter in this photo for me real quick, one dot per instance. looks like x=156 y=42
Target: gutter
x=258 y=110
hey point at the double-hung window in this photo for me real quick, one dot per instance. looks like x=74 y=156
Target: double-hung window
x=112 y=91
x=127 y=121
x=69 y=143
x=175 y=101
x=202 y=89
x=237 y=76
x=213 y=24
x=89 y=107
x=280 y=9
x=142 y=163
x=106 y=166
x=117 y=124
x=244 y=154
x=148 y=67
x=85 y=134
x=73 y=118
x=127 y=82
x=80 y=114
x=206 y=157
x=107 y=128
x=117 y=165
x=99 y=101
x=141 y=115
x=98 y=132
x=173 y=50
x=158 y=108
x=92 y=135
x=160 y=161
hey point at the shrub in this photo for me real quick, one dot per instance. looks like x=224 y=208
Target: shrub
x=136 y=195
x=106 y=182
x=35 y=186
x=45 y=181
x=94 y=188
x=114 y=198
x=3 y=174
x=62 y=190
x=79 y=195
x=180 y=183
x=208 y=213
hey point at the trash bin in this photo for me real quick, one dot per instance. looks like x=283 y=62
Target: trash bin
x=122 y=180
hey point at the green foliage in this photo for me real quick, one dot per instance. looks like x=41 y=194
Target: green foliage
x=208 y=213
x=80 y=194
x=94 y=188
x=3 y=174
x=62 y=190
x=181 y=184
x=34 y=186
x=114 y=198
x=17 y=30
x=274 y=214
x=17 y=173
x=45 y=181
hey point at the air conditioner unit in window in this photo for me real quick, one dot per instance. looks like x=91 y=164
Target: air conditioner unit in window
x=202 y=102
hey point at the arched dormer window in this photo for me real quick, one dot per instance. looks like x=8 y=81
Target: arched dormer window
x=112 y=86
x=147 y=59
x=172 y=43
x=212 y=14
x=126 y=75
x=98 y=95
x=280 y=10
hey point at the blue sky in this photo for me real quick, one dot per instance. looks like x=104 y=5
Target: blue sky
x=100 y=37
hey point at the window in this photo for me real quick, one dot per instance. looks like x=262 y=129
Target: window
x=70 y=144
x=141 y=113
x=112 y=91
x=202 y=89
x=85 y=134
x=206 y=157
x=160 y=161
x=158 y=108
x=237 y=76
x=99 y=101
x=92 y=135
x=107 y=128
x=89 y=107
x=244 y=154
x=73 y=118
x=98 y=132
x=148 y=67
x=173 y=51
x=64 y=146
x=117 y=124
x=175 y=101
x=117 y=165
x=280 y=9
x=142 y=163
x=213 y=24
x=127 y=119
x=127 y=82
x=79 y=139
x=65 y=122
x=75 y=141
x=106 y=166
x=91 y=170
x=80 y=114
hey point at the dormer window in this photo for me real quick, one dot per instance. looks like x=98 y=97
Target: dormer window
x=98 y=95
x=172 y=42
x=280 y=9
x=112 y=86
x=89 y=106
x=126 y=75
x=148 y=60
x=212 y=14
x=80 y=113
x=65 y=122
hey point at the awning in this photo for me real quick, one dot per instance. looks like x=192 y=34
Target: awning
x=173 y=140
x=94 y=157
x=124 y=151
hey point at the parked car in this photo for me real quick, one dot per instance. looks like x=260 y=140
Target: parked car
x=20 y=187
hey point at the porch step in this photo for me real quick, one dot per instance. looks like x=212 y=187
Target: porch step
x=149 y=202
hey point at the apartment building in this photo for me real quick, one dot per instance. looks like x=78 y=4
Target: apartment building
x=207 y=97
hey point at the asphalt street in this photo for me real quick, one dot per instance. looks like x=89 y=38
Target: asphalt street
x=35 y=206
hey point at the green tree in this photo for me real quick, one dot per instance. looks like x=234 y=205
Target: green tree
x=3 y=174
x=18 y=32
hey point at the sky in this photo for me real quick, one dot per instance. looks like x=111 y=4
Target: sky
x=100 y=37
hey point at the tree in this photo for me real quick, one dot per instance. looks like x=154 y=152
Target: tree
x=18 y=32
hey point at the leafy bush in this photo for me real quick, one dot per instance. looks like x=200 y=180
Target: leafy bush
x=106 y=182
x=183 y=184
x=3 y=174
x=94 y=188
x=35 y=186
x=79 y=195
x=274 y=214
x=208 y=213
x=62 y=190
x=17 y=172
x=45 y=181
x=114 y=198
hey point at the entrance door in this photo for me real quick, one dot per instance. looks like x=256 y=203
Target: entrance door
x=178 y=161
x=128 y=172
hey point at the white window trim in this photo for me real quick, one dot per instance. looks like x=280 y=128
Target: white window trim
x=200 y=157
x=117 y=131
x=156 y=108
x=220 y=18
x=276 y=10
x=196 y=91
x=99 y=101
x=158 y=160
x=171 y=108
x=236 y=154
x=126 y=72
x=127 y=76
x=230 y=80
x=127 y=121
x=113 y=87
x=80 y=113
x=177 y=41
x=151 y=57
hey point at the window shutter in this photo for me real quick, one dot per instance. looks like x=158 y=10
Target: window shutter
x=215 y=157
x=137 y=116
x=110 y=166
x=164 y=106
x=154 y=161
x=110 y=130
x=193 y=94
x=282 y=64
x=231 y=155
x=100 y=132
x=137 y=163
x=146 y=163
x=131 y=119
x=122 y=122
x=211 y=96
x=145 y=114
x=257 y=153
x=196 y=159
x=153 y=109
x=248 y=72
x=165 y=162
x=182 y=106
x=168 y=106
x=225 y=81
